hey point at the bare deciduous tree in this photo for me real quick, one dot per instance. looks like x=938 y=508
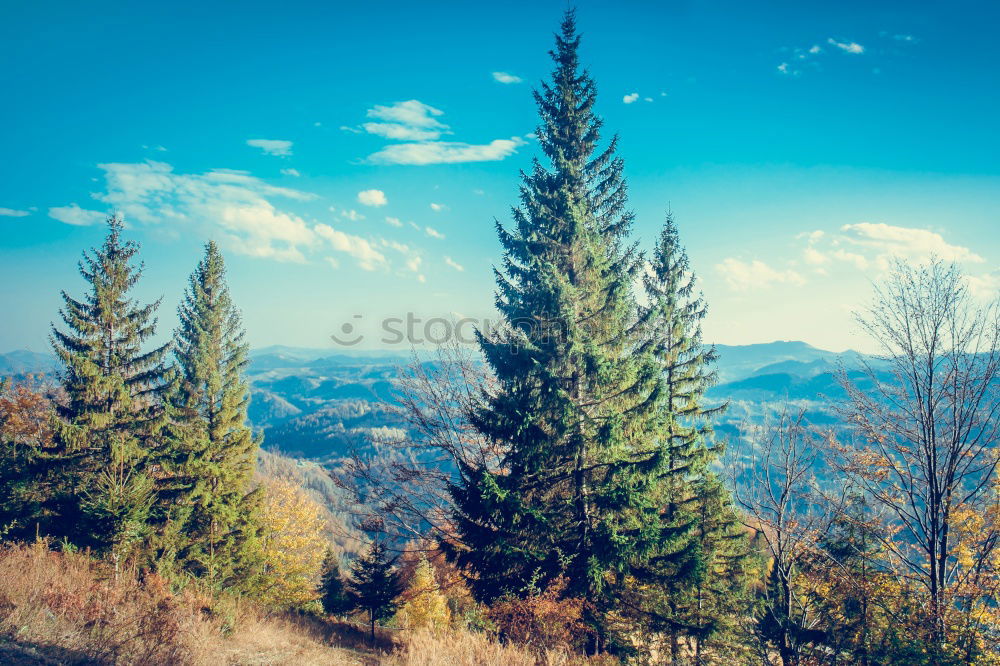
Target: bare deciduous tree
x=773 y=477
x=401 y=483
x=927 y=413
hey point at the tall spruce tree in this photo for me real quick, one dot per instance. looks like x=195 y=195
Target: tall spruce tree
x=575 y=399
x=690 y=588
x=111 y=421
x=210 y=529
x=375 y=584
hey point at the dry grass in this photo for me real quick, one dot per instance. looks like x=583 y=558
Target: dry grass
x=58 y=608
x=65 y=608
x=426 y=648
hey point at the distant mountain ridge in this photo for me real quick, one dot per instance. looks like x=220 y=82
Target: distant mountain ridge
x=319 y=403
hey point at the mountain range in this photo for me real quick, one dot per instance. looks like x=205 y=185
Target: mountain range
x=318 y=404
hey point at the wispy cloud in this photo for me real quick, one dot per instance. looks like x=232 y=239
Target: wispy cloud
x=10 y=212
x=367 y=256
x=418 y=125
x=411 y=120
x=394 y=221
x=748 y=276
x=847 y=47
x=276 y=147
x=246 y=214
x=434 y=233
x=631 y=97
x=79 y=217
x=372 y=198
x=504 y=77
x=291 y=172
x=446 y=152
x=864 y=246
x=438 y=207
x=454 y=264
x=799 y=59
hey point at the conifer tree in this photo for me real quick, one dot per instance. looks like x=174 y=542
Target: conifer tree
x=703 y=570
x=210 y=529
x=575 y=398
x=333 y=593
x=111 y=420
x=375 y=585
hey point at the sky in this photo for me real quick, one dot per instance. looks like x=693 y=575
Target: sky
x=351 y=158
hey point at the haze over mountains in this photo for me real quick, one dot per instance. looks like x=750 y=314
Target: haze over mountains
x=319 y=403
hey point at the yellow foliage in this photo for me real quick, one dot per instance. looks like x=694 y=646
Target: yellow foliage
x=293 y=545
x=425 y=606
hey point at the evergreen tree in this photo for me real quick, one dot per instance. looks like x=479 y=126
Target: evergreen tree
x=575 y=399
x=111 y=420
x=210 y=528
x=374 y=584
x=333 y=593
x=701 y=571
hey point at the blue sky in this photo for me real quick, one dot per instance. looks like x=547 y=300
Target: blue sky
x=351 y=157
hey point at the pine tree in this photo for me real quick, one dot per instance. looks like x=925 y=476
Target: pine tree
x=112 y=417
x=575 y=399
x=374 y=584
x=702 y=570
x=210 y=526
x=333 y=593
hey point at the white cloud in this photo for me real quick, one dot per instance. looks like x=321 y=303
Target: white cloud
x=446 y=152
x=291 y=172
x=454 y=264
x=411 y=257
x=367 y=256
x=746 y=276
x=412 y=113
x=394 y=221
x=815 y=48
x=417 y=124
x=905 y=242
x=433 y=233
x=401 y=132
x=866 y=245
x=411 y=120
x=276 y=147
x=438 y=207
x=814 y=257
x=631 y=97
x=504 y=77
x=352 y=215
x=73 y=214
x=10 y=212
x=232 y=206
x=846 y=47
x=372 y=198
x=984 y=287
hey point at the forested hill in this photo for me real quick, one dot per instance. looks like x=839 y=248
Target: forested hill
x=318 y=403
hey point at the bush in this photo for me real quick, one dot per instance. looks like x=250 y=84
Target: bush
x=544 y=620
x=66 y=607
